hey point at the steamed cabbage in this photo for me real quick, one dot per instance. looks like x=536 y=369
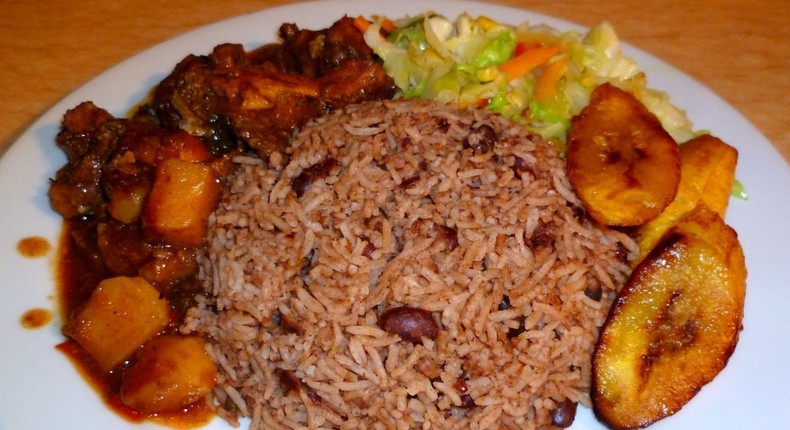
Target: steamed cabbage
x=431 y=57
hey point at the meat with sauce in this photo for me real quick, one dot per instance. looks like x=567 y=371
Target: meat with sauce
x=136 y=193
x=258 y=98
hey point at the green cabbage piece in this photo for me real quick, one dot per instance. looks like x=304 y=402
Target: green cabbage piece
x=431 y=57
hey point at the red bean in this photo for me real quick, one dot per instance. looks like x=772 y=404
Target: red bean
x=563 y=415
x=450 y=236
x=482 y=140
x=411 y=324
x=304 y=180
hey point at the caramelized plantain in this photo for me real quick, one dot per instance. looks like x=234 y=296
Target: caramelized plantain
x=621 y=162
x=673 y=326
x=707 y=171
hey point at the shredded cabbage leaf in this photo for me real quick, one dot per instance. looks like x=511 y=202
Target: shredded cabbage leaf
x=432 y=57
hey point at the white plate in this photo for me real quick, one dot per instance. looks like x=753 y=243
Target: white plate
x=39 y=388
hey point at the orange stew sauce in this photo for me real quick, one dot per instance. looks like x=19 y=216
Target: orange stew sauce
x=77 y=278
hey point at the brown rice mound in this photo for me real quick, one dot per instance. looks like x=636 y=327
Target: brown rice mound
x=455 y=211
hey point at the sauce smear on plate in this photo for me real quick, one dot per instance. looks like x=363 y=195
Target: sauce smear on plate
x=33 y=247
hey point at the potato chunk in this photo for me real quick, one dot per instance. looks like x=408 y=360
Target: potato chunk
x=126 y=205
x=707 y=171
x=170 y=372
x=622 y=163
x=120 y=315
x=673 y=326
x=181 y=199
x=155 y=147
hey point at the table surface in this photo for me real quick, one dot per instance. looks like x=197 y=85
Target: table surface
x=738 y=48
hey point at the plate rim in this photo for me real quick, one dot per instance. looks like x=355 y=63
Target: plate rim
x=22 y=150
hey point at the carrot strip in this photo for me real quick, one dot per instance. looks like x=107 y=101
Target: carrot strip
x=361 y=23
x=546 y=87
x=528 y=61
x=522 y=47
x=388 y=25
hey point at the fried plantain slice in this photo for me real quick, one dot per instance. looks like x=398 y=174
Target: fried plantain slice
x=707 y=172
x=673 y=326
x=621 y=162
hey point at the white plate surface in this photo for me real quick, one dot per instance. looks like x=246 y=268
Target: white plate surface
x=39 y=388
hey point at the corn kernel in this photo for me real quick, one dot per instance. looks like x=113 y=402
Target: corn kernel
x=588 y=81
x=486 y=23
x=487 y=74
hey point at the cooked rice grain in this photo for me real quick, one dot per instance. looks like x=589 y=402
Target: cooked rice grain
x=414 y=204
